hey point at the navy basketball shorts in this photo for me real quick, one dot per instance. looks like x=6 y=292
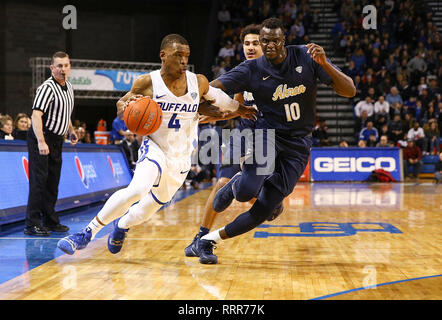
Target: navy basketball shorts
x=290 y=157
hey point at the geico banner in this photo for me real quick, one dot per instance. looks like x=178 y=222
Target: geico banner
x=354 y=164
x=103 y=80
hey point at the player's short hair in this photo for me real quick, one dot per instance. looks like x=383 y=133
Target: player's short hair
x=273 y=23
x=59 y=54
x=171 y=39
x=249 y=29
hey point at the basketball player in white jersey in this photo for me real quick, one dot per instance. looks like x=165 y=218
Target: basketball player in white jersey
x=164 y=156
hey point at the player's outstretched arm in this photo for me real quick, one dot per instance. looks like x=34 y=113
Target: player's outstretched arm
x=225 y=115
x=220 y=99
x=142 y=86
x=342 y=84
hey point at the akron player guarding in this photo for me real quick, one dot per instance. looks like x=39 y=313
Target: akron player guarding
x=283 y=84
x=252 y=50
x=165 y=155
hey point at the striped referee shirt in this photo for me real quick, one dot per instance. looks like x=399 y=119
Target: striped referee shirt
x=56 y=102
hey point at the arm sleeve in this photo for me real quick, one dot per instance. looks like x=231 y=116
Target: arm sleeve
x=237 y=79
x=43 y=97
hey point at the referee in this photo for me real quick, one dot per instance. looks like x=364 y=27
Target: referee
x=51 y=120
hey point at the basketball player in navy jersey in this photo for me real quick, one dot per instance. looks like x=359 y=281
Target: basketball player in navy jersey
x=283 y=84
x=250 y=40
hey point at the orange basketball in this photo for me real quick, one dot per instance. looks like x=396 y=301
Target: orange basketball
x=143 y=116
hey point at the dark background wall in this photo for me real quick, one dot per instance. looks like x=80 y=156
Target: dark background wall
x=127 y=30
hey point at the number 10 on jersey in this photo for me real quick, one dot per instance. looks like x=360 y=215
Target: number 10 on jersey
x=292 y=111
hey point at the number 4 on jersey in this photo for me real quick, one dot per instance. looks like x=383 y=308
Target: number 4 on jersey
x=174 y=123
x=292 y=111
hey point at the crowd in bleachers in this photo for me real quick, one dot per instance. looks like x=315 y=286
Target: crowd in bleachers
x=397 y=70
x=299 y=20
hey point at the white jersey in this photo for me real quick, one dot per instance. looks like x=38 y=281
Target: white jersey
x=177 y=135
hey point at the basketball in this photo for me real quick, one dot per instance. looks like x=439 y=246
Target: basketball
x=143 y=116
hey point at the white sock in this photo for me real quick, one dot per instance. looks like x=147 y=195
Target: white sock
x=214 y=236
x=95 y=225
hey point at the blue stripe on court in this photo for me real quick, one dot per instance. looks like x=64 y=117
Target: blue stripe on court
x=20 y=253
x=373 y=287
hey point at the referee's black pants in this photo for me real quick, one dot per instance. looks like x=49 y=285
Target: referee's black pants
x=44 y=177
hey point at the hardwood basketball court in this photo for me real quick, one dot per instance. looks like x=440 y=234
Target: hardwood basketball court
x=333 y=241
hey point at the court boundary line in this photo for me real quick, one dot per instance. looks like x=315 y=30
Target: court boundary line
x=373 y=286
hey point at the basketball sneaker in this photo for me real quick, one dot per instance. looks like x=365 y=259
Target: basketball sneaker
x=76 y=241
x=205 y=250
x=276 y=212
x=224 y=196
x=116 y=238
x=192 y=249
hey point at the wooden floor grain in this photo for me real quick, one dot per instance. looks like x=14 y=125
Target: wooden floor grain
x=285 y=263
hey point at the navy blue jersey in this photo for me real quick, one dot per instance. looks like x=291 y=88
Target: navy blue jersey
x=285 y=94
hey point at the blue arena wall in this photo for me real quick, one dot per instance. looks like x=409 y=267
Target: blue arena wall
x=90 y=173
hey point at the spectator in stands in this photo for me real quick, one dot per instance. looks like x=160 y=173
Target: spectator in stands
x=80 y=134
x=343 y=144
x=351 y=70
x=410 y=105
x=320 y=135
x=359 y=59
x=130 y=147
x=430 y=113
x=21 y=126
x=6 y=128
x=380 y=121
x=368 y=131
x=224 y=14
x=227 y=50
x=417 y=67
x=362 y=144
x=361 y=123
x=372 y=141
x=118 y=130
x=412 y=157
x=396 y=128
x=364 y=105
x=392 y=65
x=385 y=130
x=382 y=107
x=394 y=96
x=416 y=134
x=396 y=109
x=438 y=169
x=425 y=98
x=407 y=123
x=383 y=142
x=432 y=135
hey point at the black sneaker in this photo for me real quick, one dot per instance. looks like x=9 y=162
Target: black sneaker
x=57 y=228
x=37 y=231
x=192 y=249
x=205 y=250
x=224 y=196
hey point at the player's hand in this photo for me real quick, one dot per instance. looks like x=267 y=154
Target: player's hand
x=43 y=148
x=74 y=138
x=317 y=53
x=206 y=108
x=248 y=112
x=126 y=103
